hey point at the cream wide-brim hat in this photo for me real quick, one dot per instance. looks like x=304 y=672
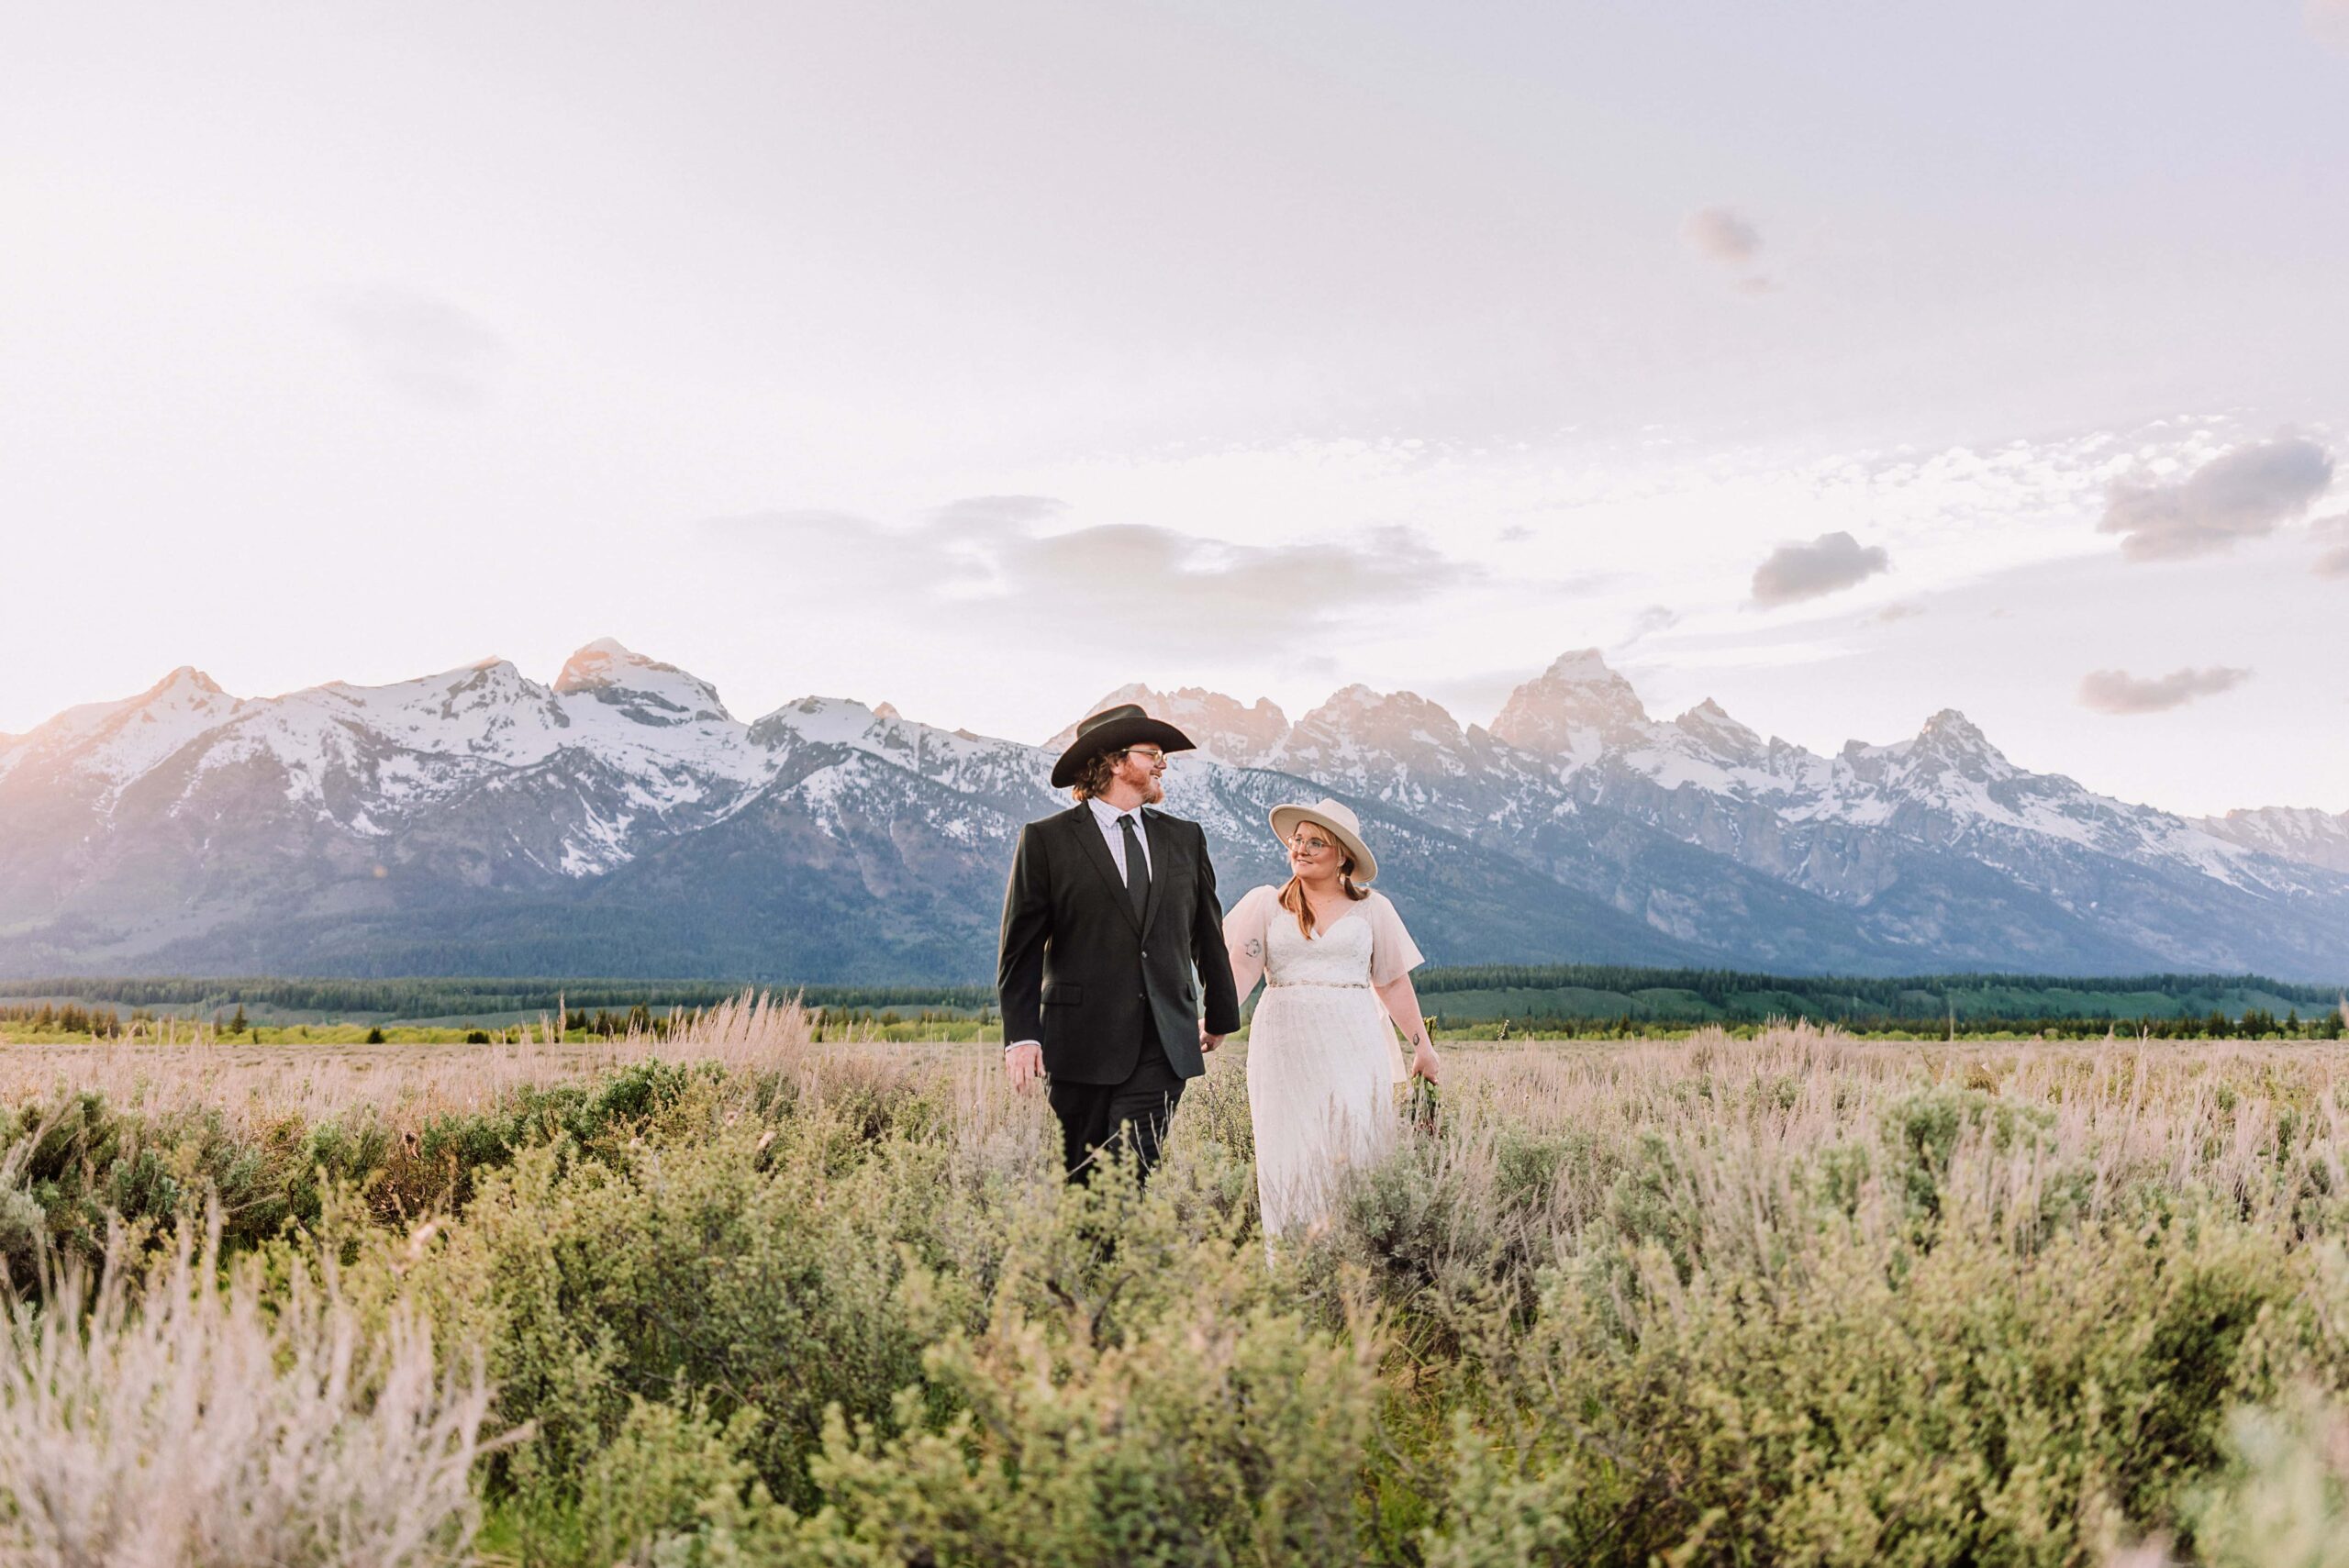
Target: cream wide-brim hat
x=1339 y=821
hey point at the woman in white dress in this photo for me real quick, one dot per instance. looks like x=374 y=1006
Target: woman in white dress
x=1322 y=1056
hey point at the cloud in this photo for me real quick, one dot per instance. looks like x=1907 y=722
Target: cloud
x=995 y=513
x=2242 y=495
x=1827 y=564
x=2328 y=23
x=1902 y=611
x=1648 y=622
x=2335 y=561
x=1720 y=234
x=424 y=346
x=1134 y=577
x=2116 y=691
x=1116 y=583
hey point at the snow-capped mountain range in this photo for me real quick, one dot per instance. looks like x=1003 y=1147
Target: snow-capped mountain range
x=622 y=821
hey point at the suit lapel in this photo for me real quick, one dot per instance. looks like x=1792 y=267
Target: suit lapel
x=1096 y=850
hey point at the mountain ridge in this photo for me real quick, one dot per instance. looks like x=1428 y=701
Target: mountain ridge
x=345 y=824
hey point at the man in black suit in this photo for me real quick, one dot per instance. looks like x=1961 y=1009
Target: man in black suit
x=1111 y=910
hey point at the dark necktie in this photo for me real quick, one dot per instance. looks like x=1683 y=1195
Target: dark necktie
x=1137 y=866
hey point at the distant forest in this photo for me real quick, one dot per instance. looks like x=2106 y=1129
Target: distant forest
x=1529 y=996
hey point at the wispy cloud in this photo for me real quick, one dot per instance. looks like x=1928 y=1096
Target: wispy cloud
x=2328 y=23
x=425 y=348
x=1719 y=234
x=1827 y=564
x=2333 y=532
x=998 y=513
x=2116 y=691
x=1117 y=580
x=1648 y=622
x=1723 y=235
x=2242 y=495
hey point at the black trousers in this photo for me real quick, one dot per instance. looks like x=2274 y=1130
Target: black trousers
x=1094 y=1116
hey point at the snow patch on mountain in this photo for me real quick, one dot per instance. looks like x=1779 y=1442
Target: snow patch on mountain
x=1575 y=711
x=501 y=781
x=646 y=690
x=112 y=744
x=2302 y=833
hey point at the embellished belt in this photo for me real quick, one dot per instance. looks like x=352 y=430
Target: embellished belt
x=1318 y=985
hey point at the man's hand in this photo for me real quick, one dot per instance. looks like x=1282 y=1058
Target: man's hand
x=1208 y=1041
x=1025 y=1062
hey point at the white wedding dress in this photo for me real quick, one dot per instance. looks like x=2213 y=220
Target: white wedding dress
x=1322 y=1058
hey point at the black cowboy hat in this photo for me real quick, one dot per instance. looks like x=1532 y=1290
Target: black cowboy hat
x=1114 y=730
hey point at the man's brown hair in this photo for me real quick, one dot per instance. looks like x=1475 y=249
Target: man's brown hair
x=1094 y=774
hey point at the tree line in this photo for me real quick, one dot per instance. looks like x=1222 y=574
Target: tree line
x=434 y=997
x=1892 y=995
x=2051 y=1004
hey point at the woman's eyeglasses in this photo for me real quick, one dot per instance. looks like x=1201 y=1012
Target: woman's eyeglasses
x=1309 y=846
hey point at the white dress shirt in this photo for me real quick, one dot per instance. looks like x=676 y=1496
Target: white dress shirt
x=1107 y=816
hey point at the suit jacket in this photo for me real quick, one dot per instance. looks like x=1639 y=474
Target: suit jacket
x=1079 y=972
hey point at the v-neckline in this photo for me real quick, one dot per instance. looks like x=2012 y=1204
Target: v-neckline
x=1349 y=915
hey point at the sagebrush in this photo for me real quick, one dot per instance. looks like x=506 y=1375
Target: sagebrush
x=739 y=1295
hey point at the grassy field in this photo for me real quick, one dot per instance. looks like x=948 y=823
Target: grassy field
x=747 y=1296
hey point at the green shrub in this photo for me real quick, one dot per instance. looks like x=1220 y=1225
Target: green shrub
x=734 y=1266
x=1207 y=1429
x=1971 y=1404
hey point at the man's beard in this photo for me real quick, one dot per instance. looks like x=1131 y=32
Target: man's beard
x=1153 y=792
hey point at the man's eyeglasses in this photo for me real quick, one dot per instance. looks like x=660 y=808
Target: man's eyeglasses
x=1147 y=753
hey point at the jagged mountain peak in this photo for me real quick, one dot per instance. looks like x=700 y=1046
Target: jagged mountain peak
x=1222 y=727
x=1577 y=707
x=644 y=689
x=1359 y=735
x=187 y=678
x=1710 y=725
x=1358 y=703
x=2307 y=834
x=1583 y=664
x=1950 y=734
x=828 y=720
x=255 y=822
x=115 y=741
x=1950 y=764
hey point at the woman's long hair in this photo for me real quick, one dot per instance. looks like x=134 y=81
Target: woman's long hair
x=1293 y=897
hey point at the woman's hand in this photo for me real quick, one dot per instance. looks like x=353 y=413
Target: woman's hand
x=1424 y=1063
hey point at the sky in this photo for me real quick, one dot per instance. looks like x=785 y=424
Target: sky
x=1840 y=364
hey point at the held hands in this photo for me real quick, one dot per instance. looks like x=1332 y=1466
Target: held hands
x=1025 y=1063
x=1207 y=1041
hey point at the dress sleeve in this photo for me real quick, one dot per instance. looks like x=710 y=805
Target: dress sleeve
x=1393 y=954
x=1244 y=936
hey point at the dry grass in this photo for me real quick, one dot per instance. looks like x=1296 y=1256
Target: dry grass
x=162 y=1420
x=1743 y=1125
x=754 y=1033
